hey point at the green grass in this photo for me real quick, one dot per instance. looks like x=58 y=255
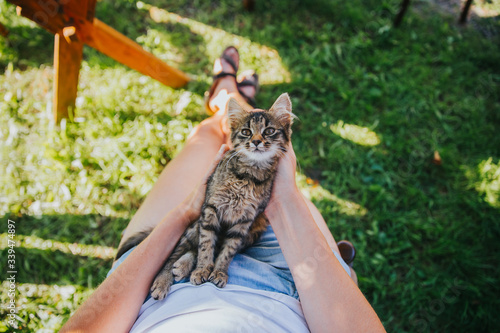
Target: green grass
x=374 y=105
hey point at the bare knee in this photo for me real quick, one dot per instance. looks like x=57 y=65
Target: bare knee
x=354 y=276
x=209 y=129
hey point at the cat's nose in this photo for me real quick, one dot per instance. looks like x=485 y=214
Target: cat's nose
x=256 y=142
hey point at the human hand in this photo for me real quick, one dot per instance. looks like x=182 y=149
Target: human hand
x=194 y=201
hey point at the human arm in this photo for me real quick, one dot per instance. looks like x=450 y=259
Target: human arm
x=330 y=300
x=114 y=306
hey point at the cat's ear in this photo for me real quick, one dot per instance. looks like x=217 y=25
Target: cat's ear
x=235 y=112
x=282 y=110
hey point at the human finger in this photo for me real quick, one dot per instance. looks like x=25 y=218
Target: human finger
x=289 y=161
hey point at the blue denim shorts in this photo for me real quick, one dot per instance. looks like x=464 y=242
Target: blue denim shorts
x=261 y=266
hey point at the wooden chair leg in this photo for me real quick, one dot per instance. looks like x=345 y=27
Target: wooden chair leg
x=465 y=12
x=249 y=5
x=107 y=40
x=67 y=61
x=401 y=13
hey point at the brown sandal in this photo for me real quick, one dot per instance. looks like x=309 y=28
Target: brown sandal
x=217 y=77
x=248 y=78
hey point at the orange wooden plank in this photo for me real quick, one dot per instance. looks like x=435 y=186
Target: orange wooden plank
x=465 y=12
x=46 y=13
x=80 y=9
x=67 y=60
x=117 y=46
x=76 y=8
x=91 y=10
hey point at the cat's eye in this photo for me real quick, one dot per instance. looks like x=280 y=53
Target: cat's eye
x=269 y=131
x=246 y=132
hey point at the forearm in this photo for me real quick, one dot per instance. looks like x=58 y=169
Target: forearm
x=114 y=306
x=329 y=298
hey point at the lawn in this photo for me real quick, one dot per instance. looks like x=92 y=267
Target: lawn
x=397 y=141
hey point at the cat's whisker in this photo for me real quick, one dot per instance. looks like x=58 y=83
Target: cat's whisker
x=298 y=167
x=234 y=154
x=281 y=151
x=230 y=157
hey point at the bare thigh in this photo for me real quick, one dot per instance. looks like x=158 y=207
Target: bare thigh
x=180 y=177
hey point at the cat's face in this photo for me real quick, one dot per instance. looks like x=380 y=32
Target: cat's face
x=261 y=135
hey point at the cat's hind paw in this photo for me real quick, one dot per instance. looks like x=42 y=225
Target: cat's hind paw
x=161 y=285
x=183 y=266
x=219 y=278
x=201 y=275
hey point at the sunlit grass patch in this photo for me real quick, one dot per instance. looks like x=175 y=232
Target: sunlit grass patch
x=486 y=180
x=487 y=8
x=42 y=307
x=33 y=242
x=401 y=95
x=316 y=192
x=253 y=55
x=360 y=135
x=125 y=133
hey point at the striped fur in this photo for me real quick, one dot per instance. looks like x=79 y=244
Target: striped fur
x=232 y=216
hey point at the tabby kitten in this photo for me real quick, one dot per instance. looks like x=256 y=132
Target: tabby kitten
x=232 y=216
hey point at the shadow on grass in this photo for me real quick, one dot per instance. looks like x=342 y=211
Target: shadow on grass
x=428 y=243
x=54 y=267
x=27 y=47
x=40 y=261
x=82 y=229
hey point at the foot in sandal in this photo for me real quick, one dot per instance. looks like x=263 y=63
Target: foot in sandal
x=225 y=84
x=225 y=70
x=248 y=86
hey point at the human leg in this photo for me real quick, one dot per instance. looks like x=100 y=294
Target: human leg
x=185 y=171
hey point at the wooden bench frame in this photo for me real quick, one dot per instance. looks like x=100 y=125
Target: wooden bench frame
x=406 y=3
x=73 y=24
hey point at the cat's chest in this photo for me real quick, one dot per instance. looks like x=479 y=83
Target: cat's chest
x=238 y=200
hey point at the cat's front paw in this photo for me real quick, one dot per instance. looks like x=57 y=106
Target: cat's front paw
x=161 y=285
x=219 y=278
x=200 y=275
